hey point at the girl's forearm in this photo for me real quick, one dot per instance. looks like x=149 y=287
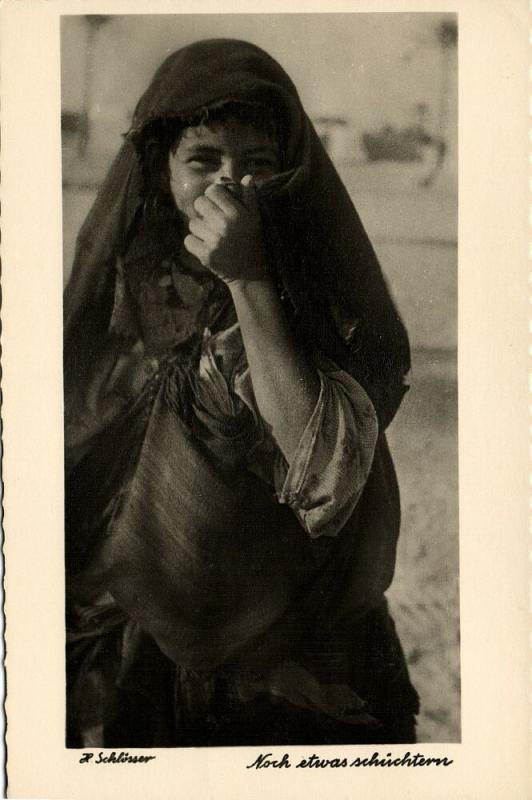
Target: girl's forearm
x=286 y=387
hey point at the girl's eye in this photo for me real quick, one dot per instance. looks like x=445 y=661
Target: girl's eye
x=204 y=162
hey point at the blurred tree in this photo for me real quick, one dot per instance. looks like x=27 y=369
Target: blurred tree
x=446 y=34
x=93 y=22
x=442 y=35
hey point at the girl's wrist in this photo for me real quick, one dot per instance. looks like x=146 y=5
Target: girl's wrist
x=262 y=283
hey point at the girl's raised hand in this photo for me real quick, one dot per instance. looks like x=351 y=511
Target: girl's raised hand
x=226 y=236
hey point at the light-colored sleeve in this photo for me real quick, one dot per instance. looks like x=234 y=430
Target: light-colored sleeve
x=332 y=461
x=330 y=466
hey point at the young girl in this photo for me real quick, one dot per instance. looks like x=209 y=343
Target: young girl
x=232 y=359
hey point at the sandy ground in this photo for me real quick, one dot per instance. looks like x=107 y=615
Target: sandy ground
x=424 y=595
x=414 y=233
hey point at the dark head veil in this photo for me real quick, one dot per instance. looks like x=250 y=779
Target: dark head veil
x=325 y=261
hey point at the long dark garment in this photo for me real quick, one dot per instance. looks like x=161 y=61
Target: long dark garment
x=199 y=609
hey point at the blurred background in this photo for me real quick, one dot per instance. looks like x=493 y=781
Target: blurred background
x=381 y=90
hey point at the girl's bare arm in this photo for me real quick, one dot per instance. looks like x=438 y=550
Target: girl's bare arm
x=227 y=238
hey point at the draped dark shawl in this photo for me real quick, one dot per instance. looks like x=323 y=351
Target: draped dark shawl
x=323 y=253
x=340 y=305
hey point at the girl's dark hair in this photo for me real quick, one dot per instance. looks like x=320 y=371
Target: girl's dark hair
x=161 y=136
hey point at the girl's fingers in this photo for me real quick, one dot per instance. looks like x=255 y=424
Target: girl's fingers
x=224 y=200
x=196 y=247
x=203 y=231
x=208 y=210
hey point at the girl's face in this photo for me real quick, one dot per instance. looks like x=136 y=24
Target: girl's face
x=229 y=150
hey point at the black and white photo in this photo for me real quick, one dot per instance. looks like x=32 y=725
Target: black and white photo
x=233 y=359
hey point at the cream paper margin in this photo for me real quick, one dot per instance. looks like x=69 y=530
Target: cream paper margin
x=493 y=760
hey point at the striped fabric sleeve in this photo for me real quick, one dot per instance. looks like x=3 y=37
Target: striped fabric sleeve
x=331 y=464
x=329 y=469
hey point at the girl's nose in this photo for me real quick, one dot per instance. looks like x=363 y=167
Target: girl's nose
x=231 y=172
x=233 y=186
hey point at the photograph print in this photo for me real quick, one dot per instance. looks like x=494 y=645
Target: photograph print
x=260 y=387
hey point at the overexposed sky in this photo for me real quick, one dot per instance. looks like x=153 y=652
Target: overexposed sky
x=371 y=68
